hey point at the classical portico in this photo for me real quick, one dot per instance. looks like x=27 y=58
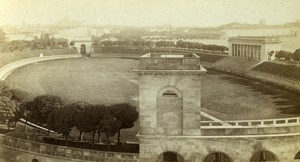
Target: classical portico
x=259 y=48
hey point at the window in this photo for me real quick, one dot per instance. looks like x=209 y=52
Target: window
x=34 y=160
x=217 y=157
x=170 y=156
x=297 y=155
x=169 y=93
x=264 y=155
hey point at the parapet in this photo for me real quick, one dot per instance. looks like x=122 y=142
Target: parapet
x=188 y=63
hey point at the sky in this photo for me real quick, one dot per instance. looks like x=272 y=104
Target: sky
x=197 y=13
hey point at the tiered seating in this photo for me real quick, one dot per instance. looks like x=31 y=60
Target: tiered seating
x=285 y=70
x=235 y=65
x=209 y=58
x=37 y=53
x=63 y=51
x=8 y=57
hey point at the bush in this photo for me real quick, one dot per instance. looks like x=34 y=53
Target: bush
x=296 y=55
x=283 y=54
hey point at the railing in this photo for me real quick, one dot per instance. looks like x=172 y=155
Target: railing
x=264 y=123
x=66 y=152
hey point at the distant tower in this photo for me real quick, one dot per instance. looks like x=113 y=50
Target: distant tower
x=169 y=105
x=262 y=22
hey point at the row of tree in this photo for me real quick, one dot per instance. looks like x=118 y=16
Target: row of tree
x=52 y=112
x=37 y=44
x=10 y=101
x=42 y=42
x=160 y=44
x=295 y=56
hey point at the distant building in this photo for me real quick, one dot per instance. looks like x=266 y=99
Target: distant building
x=83 y=44
x=235 y=29
x=260 y=48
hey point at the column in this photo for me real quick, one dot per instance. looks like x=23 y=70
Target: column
x=234 y=46
x=250 y=52
x=242 y=50
x=255 y=52
x=259 y=52
x=247 y=51
x=238 y=50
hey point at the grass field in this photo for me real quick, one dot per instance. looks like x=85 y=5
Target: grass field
x=110 y=80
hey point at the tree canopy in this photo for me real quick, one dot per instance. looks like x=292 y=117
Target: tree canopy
x=43 y=105
x=126 y=114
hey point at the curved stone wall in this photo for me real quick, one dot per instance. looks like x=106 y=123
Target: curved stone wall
x=7 y=69
x=19 y=150
x=278 y=80
x=239 y=149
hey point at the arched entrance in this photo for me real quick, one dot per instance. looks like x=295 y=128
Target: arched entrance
x=83 y=49
x=34 y=160
x=297 y=155
x=264 y=155
x=217 y=157
x=170 y=156
x=169 y=111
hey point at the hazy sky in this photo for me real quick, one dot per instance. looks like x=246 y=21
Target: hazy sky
x=150 y=12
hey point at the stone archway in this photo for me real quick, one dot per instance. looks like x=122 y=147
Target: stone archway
x=34 y=160
x=264 y=155
x=170 y=156
x=297 y=156
x=83 y=49
x=217 y=157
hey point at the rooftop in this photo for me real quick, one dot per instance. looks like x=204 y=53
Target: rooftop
x=187 y=63
x=261 y=39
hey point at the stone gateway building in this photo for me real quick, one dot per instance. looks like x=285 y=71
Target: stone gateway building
x=171 y=129
x=170 y=105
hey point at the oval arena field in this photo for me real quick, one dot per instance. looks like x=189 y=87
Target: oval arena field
x=110 y=80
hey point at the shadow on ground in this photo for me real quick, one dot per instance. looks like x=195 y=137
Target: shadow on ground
x=287 y=100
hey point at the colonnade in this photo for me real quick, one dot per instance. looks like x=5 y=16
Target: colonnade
x=249 y=51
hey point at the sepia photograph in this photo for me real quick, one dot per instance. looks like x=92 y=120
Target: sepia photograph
x=149 y=81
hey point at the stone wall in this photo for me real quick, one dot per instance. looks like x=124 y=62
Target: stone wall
x=19 y=150
x=277 y=80
x=116 y=55
x=239 y=149
x=188 y=85
x=7 y=69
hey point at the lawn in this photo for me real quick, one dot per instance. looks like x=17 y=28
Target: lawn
x=110 y=80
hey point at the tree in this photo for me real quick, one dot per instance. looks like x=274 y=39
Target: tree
x=5 y=90
x=62 y=120
x=100 y=111
x=111 y=126
x=2 y=37
x=296 y=55
x=43 y=105
x=87 y=120
x=8 y=107
x=19 y=96
x=26 y=111
x=11 y=99
x=79 y=106
x=126 y=114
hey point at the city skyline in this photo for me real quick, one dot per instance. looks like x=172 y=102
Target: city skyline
x=197 y=13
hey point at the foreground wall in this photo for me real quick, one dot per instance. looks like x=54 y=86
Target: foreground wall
x=19 y=150
x=9 y=68
x=239 y=149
